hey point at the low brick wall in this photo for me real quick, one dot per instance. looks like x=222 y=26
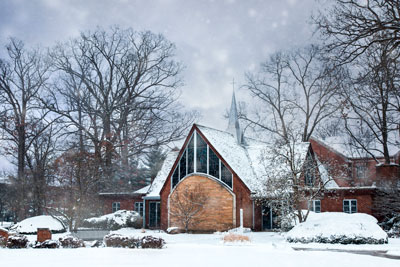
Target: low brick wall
x=4 y=233
x=43 y=234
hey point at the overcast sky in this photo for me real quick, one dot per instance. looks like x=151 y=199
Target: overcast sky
x=217 y=40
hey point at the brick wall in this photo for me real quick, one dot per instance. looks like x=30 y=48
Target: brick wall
x=43 y=234
x=333 y=200
x=127 y=202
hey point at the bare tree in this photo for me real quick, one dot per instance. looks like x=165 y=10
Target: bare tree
x=291 y=179
x=188 y=203
x=22 y=78
x=123 y=97
x=353 y=26
x=294 y=90
x=371 y=115
x=75 y=197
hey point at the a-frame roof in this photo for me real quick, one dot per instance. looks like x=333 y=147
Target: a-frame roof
x=246 y=160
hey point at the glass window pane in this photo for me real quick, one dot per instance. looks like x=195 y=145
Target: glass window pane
x=190 y=156
x=213 y=162
x=175 y=178
x=353 y=206
x=182 y=166
x=201 y=154
x=226 y=175
x=346 y=207
x=317 y=204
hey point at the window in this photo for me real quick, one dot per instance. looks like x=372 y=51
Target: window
x=315 y=206
x=206 y=162
x=201 y=154
x=190 y=151
x=139 y=208
x=116 y=206
x=175 y=177
x=213 y=163
x=309 y=177
x=361 y=170
x=182 y=166
x=309 y=172
x=226 y=175
x=350 y=205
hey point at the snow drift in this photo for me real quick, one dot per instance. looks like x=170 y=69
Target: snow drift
x=30 y=225
x=338 y=227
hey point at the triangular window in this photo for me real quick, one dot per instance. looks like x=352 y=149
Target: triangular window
x=198 y=157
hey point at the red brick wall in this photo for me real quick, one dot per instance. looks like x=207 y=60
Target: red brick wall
x=243 y=201
x=43 y=234
x=127 y=202
x=333 y=201
x=337 y=163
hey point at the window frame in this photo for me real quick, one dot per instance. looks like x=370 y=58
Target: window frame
x=117 y=206
x=360 y=166
x=141 y=206
x=312 y=205
x=350 y=201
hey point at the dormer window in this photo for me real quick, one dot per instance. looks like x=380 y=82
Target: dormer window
x=361 y=170
x=198 y=157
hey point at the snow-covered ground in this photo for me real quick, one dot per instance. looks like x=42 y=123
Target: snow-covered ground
x=265 y=249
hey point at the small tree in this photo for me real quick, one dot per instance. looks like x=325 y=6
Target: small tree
x=291 y=179
x=188 y=204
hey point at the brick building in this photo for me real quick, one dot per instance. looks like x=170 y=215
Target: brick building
x=225 y=167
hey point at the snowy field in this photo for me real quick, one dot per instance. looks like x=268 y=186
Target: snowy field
x=265 y=249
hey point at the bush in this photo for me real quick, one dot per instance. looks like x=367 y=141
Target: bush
x=391 y=226
x=3 y=242
x=120 y=241
x=235 y=238
x=47 y=244
x=17 y=241
x=71 y=242
x=115 y=221
x=152 y=242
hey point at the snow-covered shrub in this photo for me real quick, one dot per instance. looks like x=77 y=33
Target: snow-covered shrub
x=47 y=244
x=70 y=241
x=115 y=221
x=338 y=227
x=17 y=241
x=152 y=242
x=30 y=225
x=3 y=242
x=235 y=238
x=121 y=241
x=392 y=226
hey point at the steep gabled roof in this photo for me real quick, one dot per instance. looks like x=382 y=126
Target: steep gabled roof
x=246 y=160
x=162 y=175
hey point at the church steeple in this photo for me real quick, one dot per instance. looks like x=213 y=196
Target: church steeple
x=233 y=124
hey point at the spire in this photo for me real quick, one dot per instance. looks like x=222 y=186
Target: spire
x=233 y=124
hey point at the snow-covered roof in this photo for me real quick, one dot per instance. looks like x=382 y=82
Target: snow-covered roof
x=142 y=190
x=247 y=160
x=341 y=144
x=326 y=178
x=158 y=182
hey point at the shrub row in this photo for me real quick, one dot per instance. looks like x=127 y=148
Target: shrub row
x=121 y=241
x=338 y=240
x=21 y=241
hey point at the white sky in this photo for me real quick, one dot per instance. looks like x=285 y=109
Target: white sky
x=216 y=40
